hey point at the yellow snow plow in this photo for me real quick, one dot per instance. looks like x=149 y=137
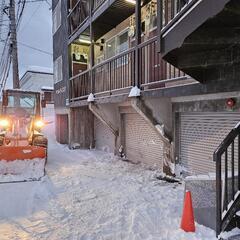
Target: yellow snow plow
x=23 y=148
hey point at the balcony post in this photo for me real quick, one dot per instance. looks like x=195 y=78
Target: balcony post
x=137 y=42
x=91 y=47
x=159 y=24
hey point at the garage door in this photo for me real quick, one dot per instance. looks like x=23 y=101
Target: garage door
x=200 y=135
x=142 y=143
x=62 y=128
x=104 y=138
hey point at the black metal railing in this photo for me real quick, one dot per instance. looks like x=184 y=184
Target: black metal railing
x=115 y=73
x=80 y=86
x=119 y=72
x=173 y=10
x=77 y=16
x=154 y=70
x=227 y=158
x=97 y=4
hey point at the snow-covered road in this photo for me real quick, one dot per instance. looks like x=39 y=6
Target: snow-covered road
x=91 y=195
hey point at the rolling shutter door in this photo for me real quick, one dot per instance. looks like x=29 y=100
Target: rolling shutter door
x=104 y=138
x=142 y=143
x=200 y=135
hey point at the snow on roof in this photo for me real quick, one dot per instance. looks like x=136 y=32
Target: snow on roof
x=39 y=69
x=20 y=90
x=47 y=88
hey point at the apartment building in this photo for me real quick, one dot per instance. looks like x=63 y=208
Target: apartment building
x=153 y=81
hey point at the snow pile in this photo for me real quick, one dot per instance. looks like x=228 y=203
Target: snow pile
x=21 y=201
x=21 y=170
x=135 y=92
x=91 y=98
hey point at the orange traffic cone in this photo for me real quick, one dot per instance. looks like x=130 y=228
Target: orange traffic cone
x=188 y=224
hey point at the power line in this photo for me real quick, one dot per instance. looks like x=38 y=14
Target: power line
x=34 y=1
x=29 y=19
x=7 y=57
x=34 y=48
x=31 y=47
x=21 y=12
x=9 y=47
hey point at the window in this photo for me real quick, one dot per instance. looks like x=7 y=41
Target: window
x=48 y=97
x=111 y=48
x=57 y=66
x=153 y=22
x=123 y=42
x=117 y=44
x=57 y=17
x=152 y=15
x=21 y=104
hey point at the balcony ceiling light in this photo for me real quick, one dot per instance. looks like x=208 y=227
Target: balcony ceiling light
x=84 y=41
x=131 y=1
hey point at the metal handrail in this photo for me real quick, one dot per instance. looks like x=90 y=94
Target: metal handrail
x=145 y=43
x=79 y=74
x=75 y=6
x=179 y=14
x=82 y=18
x=111 y=59
x=227 y=206
x=155 y=78
x=99 y=5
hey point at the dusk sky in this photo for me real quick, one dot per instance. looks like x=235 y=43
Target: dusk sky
x=36 y=31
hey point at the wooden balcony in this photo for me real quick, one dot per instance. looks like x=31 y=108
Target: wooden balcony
x=117 y=75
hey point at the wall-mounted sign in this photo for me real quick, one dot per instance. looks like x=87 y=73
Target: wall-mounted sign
x=61 y=90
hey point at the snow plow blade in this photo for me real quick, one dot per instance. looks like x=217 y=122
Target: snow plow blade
x=22 y=163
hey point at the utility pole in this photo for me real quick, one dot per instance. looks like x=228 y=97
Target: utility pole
x=13 y=41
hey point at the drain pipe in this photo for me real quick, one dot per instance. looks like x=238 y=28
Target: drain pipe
x=141 y=109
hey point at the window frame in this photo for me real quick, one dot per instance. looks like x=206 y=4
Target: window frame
x=58 y=71
x=126 y=30
x=107 y=42
x=57 y=17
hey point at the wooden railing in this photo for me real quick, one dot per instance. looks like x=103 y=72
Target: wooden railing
x=227 y=159
x=77 y=16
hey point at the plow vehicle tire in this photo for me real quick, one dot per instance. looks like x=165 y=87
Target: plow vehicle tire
x=40 y=141
x=1 y=140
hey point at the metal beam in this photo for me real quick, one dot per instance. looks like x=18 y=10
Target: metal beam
x=137 y=41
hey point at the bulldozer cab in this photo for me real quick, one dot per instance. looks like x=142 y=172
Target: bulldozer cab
x=21 y=141
x=21 y=103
